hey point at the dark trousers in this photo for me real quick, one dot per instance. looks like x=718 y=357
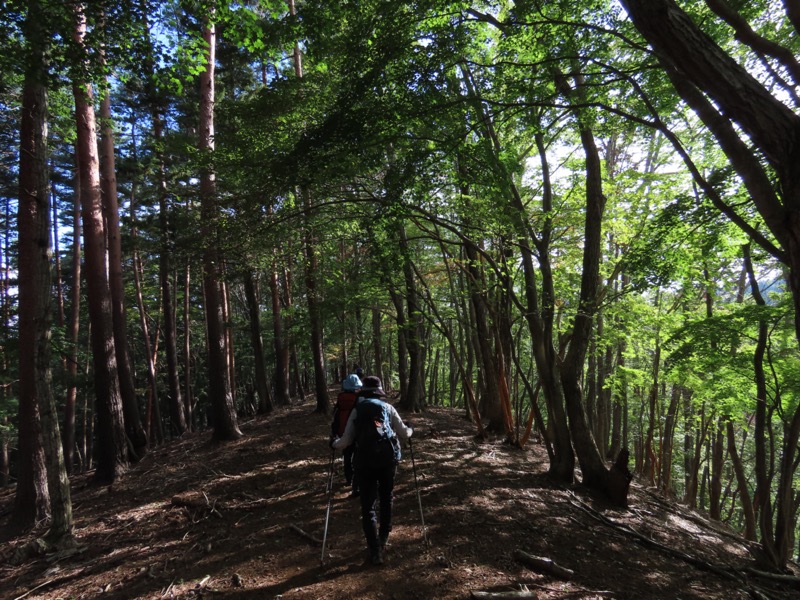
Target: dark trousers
x=347 y=459
x=376 y=489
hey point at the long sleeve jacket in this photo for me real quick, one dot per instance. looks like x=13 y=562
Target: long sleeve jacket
x=349 y=435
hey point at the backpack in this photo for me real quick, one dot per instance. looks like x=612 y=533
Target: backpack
x=377 y=446
x=341 y=412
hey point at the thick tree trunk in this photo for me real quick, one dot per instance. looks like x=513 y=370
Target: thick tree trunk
x=490 y=397
x=223 y=410
x=33 y=501
x=35 y=310
x=112 y=448
x=108 y=179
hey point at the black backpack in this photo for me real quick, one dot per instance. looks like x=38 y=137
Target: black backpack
x=377 y=446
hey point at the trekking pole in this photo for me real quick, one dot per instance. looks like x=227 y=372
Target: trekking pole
x=416 y=485
x=328 y=511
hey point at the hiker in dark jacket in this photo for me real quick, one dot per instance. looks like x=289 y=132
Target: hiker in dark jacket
x=374 y=426
x=345 y=402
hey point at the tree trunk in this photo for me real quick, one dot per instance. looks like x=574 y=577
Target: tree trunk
x=108 y=179
x=741 y=480
x=402 y=348
x=177 y=410
x=314 y=316
x=32 y=500
x=112 y=449
x=254 y=309
x=35 y=312
x=667 y=441
x=377 y=343
x=230 y=356
x=223 y=410
x=71 y=399
x=188 y=402
x=748 y=121
x=595 y=473
x=414 y=397
x=281 y=376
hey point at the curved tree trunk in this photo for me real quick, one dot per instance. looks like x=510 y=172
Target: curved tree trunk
x=729 y=100
x=595 y=473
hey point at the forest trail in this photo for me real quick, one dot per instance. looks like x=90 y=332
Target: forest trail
x=196 y=519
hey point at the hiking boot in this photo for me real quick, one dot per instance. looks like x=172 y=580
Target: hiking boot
x=384 y=541
x=377 y=557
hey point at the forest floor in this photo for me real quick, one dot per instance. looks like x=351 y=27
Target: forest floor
x=245 y=520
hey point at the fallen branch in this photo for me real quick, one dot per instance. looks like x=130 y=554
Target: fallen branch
x=307 y=536
x=776 y=577
x=543 y=564
x=502 y=595
x=41 y=585
x=692 y=560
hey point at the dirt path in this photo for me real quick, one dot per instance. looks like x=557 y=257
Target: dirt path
x=240 y=520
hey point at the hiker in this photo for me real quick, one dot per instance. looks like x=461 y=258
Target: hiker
x=345 y=402
x=374 y=426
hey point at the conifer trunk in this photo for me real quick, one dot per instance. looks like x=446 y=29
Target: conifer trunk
x=223 y=409
x=112 y=454
x=108 y=179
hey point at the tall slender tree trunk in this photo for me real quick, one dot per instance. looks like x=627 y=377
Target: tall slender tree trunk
x=71 y=399
x=230 y=358
x=223 y=409
x=310 y=252
x=315 y=319
x=5 y=323
x=177 y=411
x=188 y=402
x=254 y=309
x=108 y=180
x=377 y=343
x=402 y=349
x=279 y=343
x=413 y=399
x=668 y=440
x=59 y=279
x=112 y=455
